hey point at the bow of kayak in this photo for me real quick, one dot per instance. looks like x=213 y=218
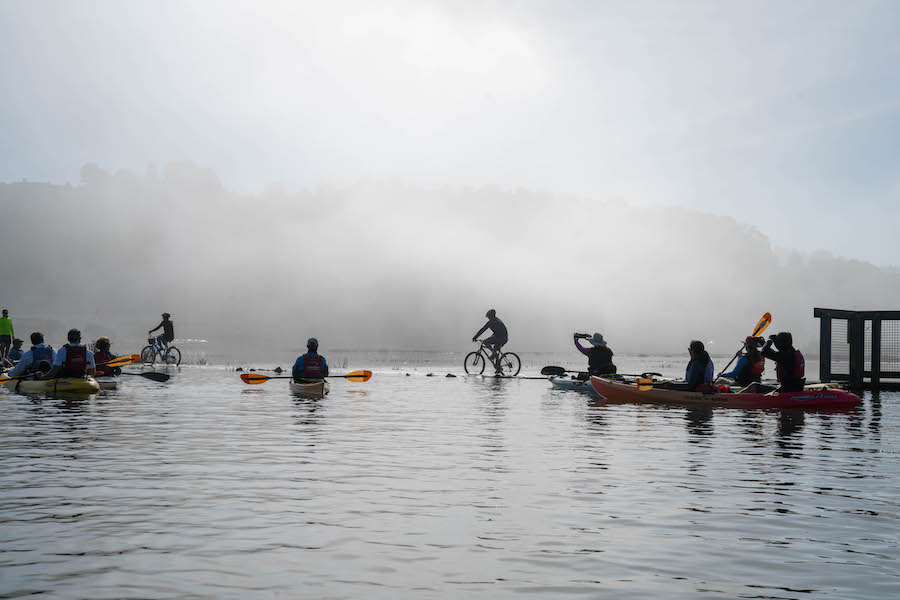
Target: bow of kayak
x=614 y=391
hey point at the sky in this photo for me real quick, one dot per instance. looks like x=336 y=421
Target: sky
x=783 y=115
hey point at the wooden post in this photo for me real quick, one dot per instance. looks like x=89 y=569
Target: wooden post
x=876 y=353
x=856 y=332
x=824 y=348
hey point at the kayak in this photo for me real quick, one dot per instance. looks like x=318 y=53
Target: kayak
x=572 y=384
x=72 y=385
x=315 y=389
x=108 y=383
x=614 y=391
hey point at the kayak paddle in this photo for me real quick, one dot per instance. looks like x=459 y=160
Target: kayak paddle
x=757 y=331
x=151 y=375
x=121 y=361
x=559 y=371
x=257 y=378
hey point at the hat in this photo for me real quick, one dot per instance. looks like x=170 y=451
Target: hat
x=597 y=340
x=752 y=341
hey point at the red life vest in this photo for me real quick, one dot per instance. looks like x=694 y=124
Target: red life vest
x=101 y=357
x=757 y=368
x=76 y=363
x=312 y=367
x=797 y=372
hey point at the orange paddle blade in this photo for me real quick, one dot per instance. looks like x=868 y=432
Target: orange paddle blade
x=121 y=361
x=358 y=376
x=253 y=378
x=761 y=326
x=644 y=384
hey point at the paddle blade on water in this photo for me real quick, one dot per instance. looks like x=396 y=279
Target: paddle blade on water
x=253 y=378
x=358 y=376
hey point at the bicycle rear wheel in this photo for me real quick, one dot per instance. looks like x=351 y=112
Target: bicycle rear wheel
x=474 y=363
x=148 y=355
x=172 y=356
x=510 y=363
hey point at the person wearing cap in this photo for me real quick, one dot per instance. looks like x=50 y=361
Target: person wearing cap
x=750 y=364
x=7 y=333
x=698 y=376
x=73 y=359
x=499 y=336
x=38 y=359
x=310 y=366
x=15 y=353
x=600 y=357
x=168 y=327
x=790 y=366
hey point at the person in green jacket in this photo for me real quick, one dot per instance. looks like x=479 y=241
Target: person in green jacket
x=6 y=334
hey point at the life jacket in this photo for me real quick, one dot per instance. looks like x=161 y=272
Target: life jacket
x=758 y=367
x=102 y=357
x=752 y=371
x=76 y=363
x=797 y=372
x=40 y=355
x=312 y=367
x=600 y=361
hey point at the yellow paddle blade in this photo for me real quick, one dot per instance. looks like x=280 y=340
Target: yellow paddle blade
x=358 y=376
x=123 y=360
x=761 y=326
x=253 y=378
x=644 y=385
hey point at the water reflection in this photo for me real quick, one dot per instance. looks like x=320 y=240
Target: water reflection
x=698 y=421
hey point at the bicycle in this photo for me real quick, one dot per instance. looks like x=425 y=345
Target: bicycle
x=170 y=355
x=507 y=363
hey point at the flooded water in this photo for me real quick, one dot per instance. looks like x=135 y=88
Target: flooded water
x=436 y=487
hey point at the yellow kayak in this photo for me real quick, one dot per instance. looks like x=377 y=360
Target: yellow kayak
x=70 y=385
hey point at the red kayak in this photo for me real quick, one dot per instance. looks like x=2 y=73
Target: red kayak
x=617 y=391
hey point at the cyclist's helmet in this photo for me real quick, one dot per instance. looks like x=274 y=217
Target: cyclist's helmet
x=312 y=344
x=166 y=315
x=491 y=314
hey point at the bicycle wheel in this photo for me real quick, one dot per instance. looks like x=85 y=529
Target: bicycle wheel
x=510 y=363
x=474 y=363
x=172 y=356
x=148 y=355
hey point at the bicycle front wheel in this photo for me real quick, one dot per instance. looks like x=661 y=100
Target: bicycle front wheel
x=510 y=363
x=172 y=356
x=474 y=363
x=148 y=355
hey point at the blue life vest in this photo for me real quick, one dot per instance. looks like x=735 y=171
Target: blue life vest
x=39 y=355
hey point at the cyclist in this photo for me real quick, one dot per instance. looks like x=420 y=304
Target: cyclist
x=311 y=365
x=498 y=339
x=168 y=327
x=73 y=359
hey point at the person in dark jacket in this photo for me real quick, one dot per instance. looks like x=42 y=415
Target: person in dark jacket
x=790 y=366
x=698 y=376
x=600 y=357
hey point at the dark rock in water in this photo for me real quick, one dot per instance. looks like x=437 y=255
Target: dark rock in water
x=238 y=369
x=251 y=369
x=430 y=375
x=450 y=375
x=407 y=374
x=278 y=370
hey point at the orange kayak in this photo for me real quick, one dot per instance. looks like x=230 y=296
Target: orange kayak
x=617 y=391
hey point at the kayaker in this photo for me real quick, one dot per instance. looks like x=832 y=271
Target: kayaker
x=15 y=353
x=790 y=366
x=750 y=364
x=698 y=376
x=600 y=357
x=37 y=360
x=311 y=365
x=73 y=359
x=7 y=333
x=498 y=339
x=103 y=355
x=168 y=327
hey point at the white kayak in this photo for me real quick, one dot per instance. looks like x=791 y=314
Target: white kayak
x=107 y=383
x=571 y=384
x=314 y=389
